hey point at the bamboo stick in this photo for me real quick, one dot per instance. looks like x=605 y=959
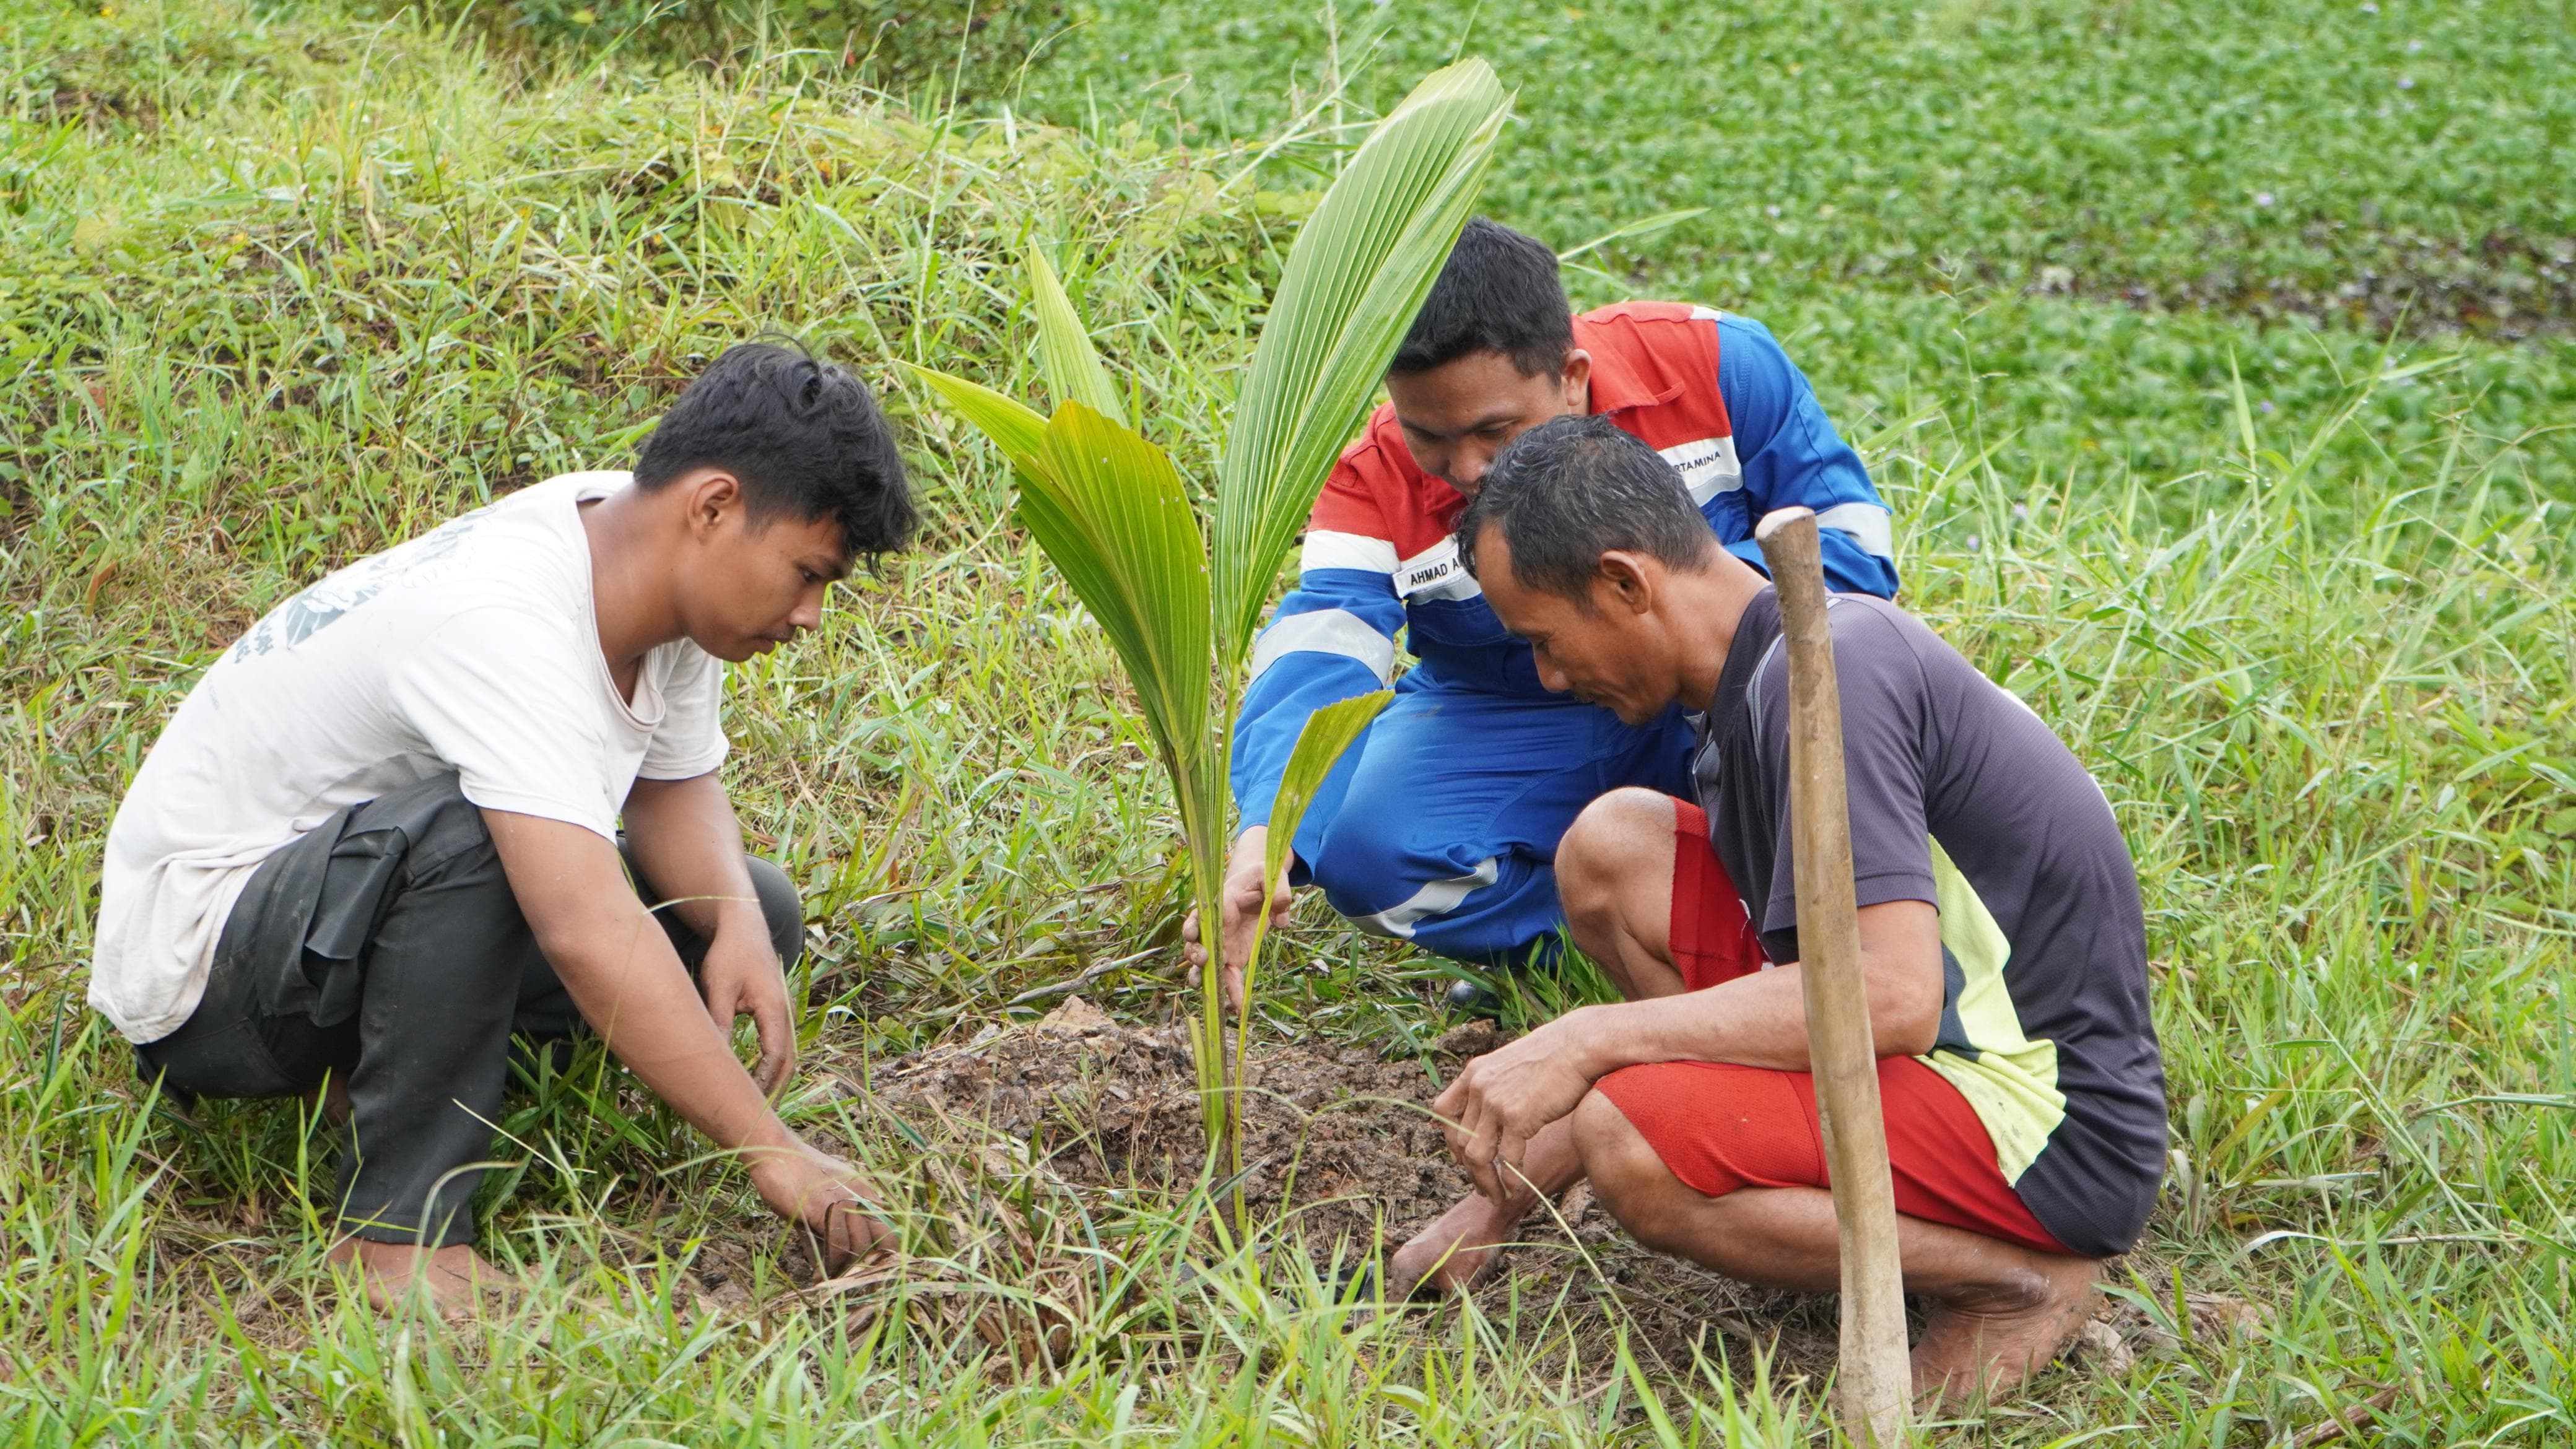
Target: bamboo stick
x=1875 y=1380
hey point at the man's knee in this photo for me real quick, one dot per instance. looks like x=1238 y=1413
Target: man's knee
x=782 y=908
x=1363 y=864
x=1615 y=842
x=1628 y=1176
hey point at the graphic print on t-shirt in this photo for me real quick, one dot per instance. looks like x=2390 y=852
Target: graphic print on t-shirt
x=322 y=604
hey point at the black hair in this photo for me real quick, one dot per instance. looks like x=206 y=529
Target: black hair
x=1498 y=292
x=1574 y=488
x=803 y=436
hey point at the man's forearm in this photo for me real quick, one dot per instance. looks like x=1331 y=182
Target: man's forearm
x=1753 y=1021
x=634 y=992
x=1760 y=1020
x=619 y=967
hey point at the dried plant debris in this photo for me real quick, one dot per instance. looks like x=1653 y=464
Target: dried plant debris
x=1341 y=1153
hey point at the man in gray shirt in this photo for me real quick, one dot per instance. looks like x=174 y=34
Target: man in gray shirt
x=2001 y=935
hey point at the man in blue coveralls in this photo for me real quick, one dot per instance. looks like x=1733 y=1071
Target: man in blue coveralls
x=1440 y=825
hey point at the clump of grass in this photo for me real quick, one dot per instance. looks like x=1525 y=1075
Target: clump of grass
x=340 y=282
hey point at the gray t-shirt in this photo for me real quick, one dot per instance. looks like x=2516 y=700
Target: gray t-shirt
x=1962 y=797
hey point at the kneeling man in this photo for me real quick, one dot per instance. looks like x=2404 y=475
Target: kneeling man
x=381 y=837
x=2000 y=931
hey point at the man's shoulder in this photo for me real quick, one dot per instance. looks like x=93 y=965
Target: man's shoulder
x=1879 y=634
x=1877 y=646
x=1377 y=489
x=1644 y=313
x=1378 y=462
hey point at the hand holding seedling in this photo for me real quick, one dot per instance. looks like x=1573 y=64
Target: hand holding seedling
x=1239 y=902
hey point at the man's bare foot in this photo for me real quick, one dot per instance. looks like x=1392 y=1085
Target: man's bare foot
x=1990 y=1339
x=1455 y=1250
x=455 y=1278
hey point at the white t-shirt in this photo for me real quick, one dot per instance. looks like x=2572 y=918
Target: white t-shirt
x=472 y=649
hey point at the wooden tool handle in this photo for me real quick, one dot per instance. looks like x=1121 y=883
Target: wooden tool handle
x=1875 y=1380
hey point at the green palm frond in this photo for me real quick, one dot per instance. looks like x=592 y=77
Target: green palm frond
x=1014 y=428
x=1065 y=354
x=1359 y=271
x=1329 y=731
x=1109 y=509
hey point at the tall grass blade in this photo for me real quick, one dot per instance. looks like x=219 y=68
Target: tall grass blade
x=1357 y=274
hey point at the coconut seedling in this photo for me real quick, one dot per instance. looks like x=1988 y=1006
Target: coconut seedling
x=1180 y=601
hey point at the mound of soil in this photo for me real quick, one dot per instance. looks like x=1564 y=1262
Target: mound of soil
x=1339 y=1146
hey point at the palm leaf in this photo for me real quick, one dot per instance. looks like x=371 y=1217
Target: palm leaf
x=1328 y=732
x=1065 y=354
x=1014 y=429
x=1110 y=512
x=1357 y=274
x=1109 y=509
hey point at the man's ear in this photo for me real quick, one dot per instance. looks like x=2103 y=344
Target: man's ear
x=1623 y=577
x=710 y=495
x=1577 y=379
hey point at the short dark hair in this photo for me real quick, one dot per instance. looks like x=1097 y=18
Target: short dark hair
x=1498 y=292
x=1574 y=488
x=803 y=436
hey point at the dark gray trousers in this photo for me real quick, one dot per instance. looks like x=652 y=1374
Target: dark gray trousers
x=384 y=947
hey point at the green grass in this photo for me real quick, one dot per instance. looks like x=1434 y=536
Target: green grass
x=276 y=289
x=1911 y=194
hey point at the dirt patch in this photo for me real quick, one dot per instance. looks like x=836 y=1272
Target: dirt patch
x=1343 y=1137
x=1341 y=1150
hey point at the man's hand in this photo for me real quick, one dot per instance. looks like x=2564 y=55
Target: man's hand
x=741 y=977
x=1239 y=898
x=828 y=1198
x=1504 y=1097
x=687 y=843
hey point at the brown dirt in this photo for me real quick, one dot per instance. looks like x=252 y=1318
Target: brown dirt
x=1341 y=1151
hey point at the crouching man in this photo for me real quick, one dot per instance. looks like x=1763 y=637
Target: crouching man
x=381 y=837
x=2000 y=932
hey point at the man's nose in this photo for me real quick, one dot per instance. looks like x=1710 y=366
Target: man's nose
x=1468 y=464
x=808 y=613
x=1552 y=679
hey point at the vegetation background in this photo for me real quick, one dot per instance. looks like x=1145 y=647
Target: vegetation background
x=2216 y=358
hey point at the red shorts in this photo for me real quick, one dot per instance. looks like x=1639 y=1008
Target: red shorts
x=1720 y=1127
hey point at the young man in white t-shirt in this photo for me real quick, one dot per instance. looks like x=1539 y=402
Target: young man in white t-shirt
x=381 y=837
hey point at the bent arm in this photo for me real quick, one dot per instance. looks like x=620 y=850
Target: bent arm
x=628 y=982
x=1502 y=1100
x=1760 y=1020
x=1331 y=638
x=687 y=842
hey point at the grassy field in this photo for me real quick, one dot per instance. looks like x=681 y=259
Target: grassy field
x=2265 y=504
